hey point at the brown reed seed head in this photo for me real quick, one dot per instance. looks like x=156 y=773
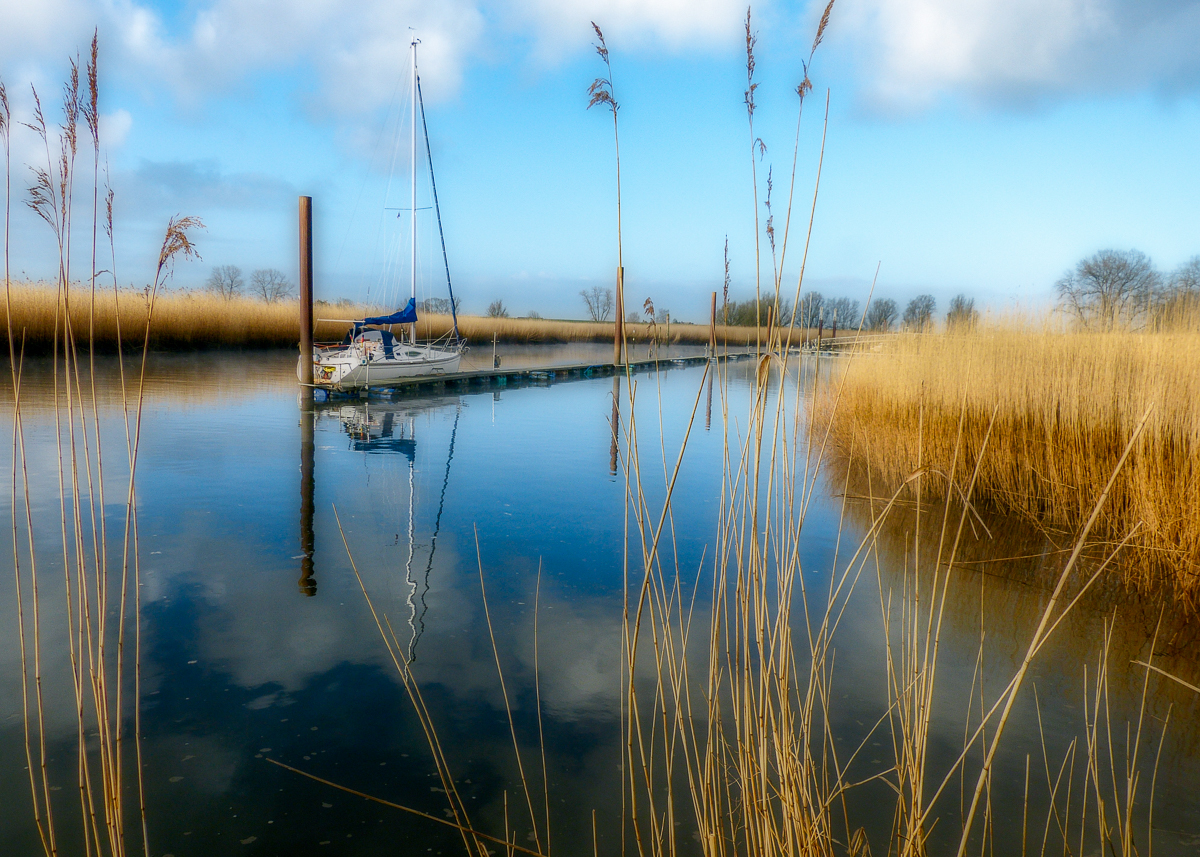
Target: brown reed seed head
x=38 y=125
x=821 y=29
x=42 y=198
x=71 y=111
x=601 y=48
x=177 y=242
x=805 y=85
x=108 y=211
x=91 y=107
x=751 y=41
x=725 y=291
x=4 y=113
x=601 y=88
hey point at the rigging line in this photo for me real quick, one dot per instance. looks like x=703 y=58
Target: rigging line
x=375 y=155
x=437 y=209
x=388 y=274
x=437 y=526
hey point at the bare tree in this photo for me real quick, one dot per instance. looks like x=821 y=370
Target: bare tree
x=1113 y=288
x=226 y=281
x=962 y=315
x=847 y=310
x=1178 y=303
x=439 y=306
x=1186 y=278
x=918 y=315
x=882 y=315
x=270 y=285
x=496 y=309
x=810 y=309
x=599 y=302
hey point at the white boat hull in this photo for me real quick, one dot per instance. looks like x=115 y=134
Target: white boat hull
x=352 y=369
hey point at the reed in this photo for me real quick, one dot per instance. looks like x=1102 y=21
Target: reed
x=98 y=556
x=187 y=321
x=1064 y=405
x=730 y=700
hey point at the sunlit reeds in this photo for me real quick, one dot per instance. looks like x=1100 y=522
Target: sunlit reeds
x=185 y=321
x=1064 y=405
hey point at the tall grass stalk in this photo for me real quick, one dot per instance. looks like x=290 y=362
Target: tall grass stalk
x=95 y=589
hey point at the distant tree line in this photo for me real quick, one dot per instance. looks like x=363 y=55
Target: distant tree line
x=1122 y=290
x=266 y=284
x=439 y=306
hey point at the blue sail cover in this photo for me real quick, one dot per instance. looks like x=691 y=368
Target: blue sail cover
x=408 y=315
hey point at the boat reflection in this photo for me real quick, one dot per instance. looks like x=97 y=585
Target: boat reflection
x=388 y=429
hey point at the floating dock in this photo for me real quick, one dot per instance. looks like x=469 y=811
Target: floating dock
x=501 y=377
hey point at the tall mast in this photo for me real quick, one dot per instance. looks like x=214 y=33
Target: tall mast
x=413 y=162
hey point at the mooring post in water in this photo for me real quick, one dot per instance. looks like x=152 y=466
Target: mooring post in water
x=712 y=327
x=495 y=359
x=619 y=326
x=306 y=294
x=308 y=415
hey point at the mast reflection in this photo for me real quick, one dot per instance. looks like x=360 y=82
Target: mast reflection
x=389 y=429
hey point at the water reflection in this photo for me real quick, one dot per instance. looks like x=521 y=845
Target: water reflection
x=308 y=416
x=614 y=422
x=385 y=428
x=235 y=663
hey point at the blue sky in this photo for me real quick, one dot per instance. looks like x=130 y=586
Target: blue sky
x=979 y=147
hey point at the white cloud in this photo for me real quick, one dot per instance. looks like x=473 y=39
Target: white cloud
x=350 y=55
x=564 y=26
x=115 y=127
x=908 y=53
x=913 y=52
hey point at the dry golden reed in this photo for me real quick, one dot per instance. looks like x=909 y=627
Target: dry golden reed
x=1065 y=405
x=186 y=321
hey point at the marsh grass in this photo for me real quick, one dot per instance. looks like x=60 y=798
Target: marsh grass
x=1064 y=405
x=729 y=712
x=98 y=556
x=729 y=707
x=185 y=321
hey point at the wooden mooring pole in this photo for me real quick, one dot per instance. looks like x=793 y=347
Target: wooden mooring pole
x=306 y=292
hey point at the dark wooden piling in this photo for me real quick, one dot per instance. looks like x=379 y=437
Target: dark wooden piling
x=306 y=292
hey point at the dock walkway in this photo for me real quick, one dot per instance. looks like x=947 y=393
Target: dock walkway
x=502 y=377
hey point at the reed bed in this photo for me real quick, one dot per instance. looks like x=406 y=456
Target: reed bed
x=730 y=699
x=186 y=321
x=1064 y=404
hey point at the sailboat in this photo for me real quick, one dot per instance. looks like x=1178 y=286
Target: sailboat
x=371 y=355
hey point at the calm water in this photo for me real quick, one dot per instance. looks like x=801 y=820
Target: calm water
x=258 y=643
